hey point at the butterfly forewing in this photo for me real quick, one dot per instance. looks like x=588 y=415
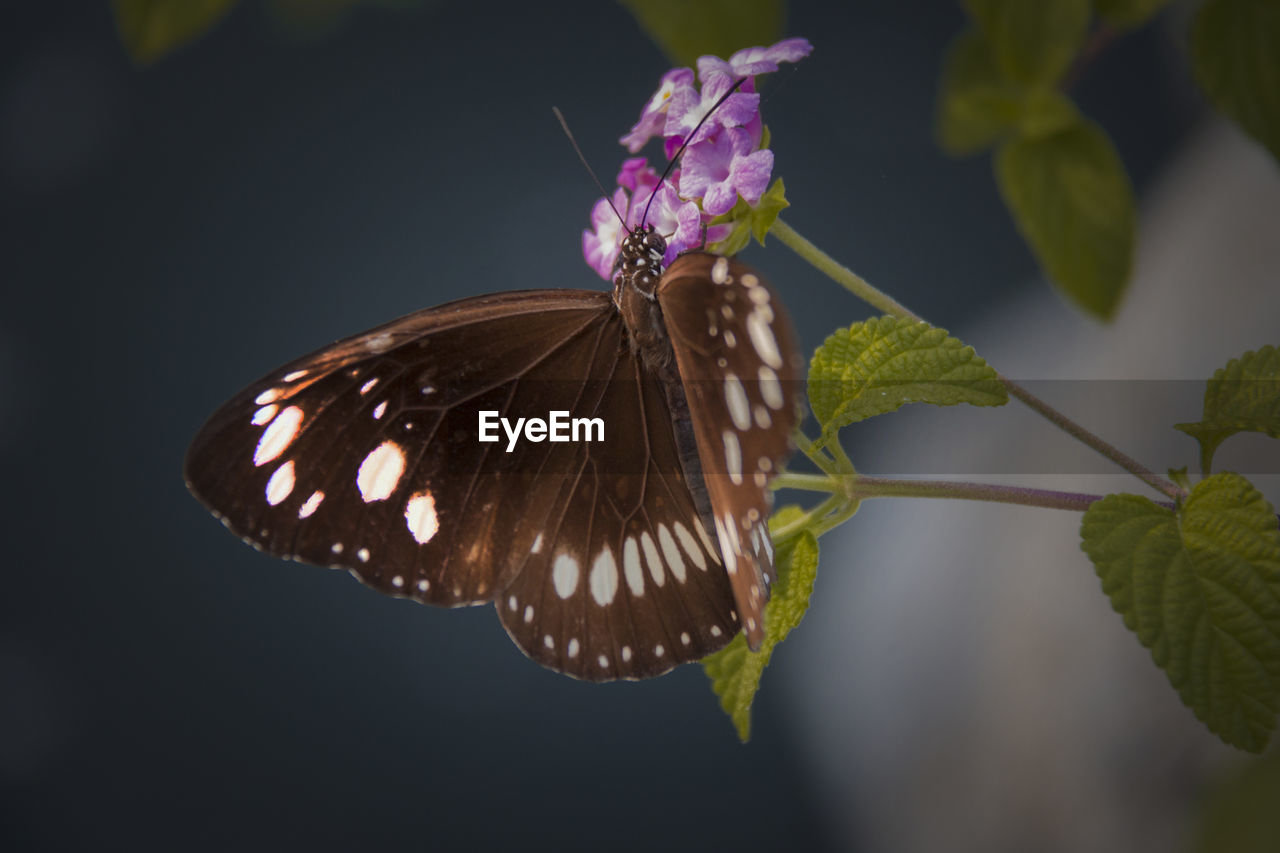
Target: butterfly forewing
x=740 y=369
x=365 y=455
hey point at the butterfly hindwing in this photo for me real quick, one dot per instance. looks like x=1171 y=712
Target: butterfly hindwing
x=740 y=368
x=626 y=582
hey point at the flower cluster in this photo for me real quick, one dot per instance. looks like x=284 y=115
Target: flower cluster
x=722 y=161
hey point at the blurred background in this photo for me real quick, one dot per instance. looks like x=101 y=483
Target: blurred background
x=310 y=169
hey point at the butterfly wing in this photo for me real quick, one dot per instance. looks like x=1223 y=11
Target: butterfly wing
x=626 y=581
x=365 y=456
x=738 y=361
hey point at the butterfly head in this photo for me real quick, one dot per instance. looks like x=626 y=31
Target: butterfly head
x=639 y=264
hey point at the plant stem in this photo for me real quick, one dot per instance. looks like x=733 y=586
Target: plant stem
x=1058 y=419
x=873 y=296
x=877 y=487
x=807 y=482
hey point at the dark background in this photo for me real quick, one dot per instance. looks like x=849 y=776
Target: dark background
x=170 y=234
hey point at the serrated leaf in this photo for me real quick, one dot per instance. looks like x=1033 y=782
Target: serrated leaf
x=735 y=670
x=152 y=28
x=1034 y=42
x=765 y=212
x=1127 y=14
x=1201 y=589
x=1236 y=61
x=1243 y=396
x=684 y=31
x=876 y=366
x=1072 y=202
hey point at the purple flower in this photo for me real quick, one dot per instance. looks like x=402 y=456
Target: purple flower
x=721 y=168
x=754 y=60
x=653 y=117
x=688 y=107
x=601 y=243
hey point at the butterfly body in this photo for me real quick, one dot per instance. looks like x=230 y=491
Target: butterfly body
x=616 y=558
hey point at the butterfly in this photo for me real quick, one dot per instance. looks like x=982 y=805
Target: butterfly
x=612 y=558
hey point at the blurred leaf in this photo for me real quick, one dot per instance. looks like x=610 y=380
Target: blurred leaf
x=1235 y=54
x=1239 y=814
x=315 y=18
x=1201 y=589
x=1035 y=41
x=1071 y=199
x=684 y=31
x=1127 y=14
x=766 y=211
x=1244 y=396
x=152 y=28
x=977 y=104
x=735 y=670
x=876 y=366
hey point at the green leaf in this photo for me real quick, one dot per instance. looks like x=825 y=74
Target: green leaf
x=1236 y=61
x=1071 y=199
x=749 y=221
x=876 y=366
x=1127 y=14
x=152 y=28
x=1034 y=42
x=1244 y=396
x=684 y=31
x=1239 y=813
x=977 y=104
x=735 y=670
x=1201 y=589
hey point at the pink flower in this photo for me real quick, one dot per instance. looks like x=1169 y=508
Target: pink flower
x=688 y=107
x=600 y=244
x=721 y=168
x=751 y=61
x=653 y=117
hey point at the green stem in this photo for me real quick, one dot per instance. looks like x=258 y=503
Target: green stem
x=810 y=519
x=808 y=482
x=873 y=296
x=877 y=487
x=815 y=454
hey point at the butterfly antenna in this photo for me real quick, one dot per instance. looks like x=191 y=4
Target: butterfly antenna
x=685 y=144
x=565 y=125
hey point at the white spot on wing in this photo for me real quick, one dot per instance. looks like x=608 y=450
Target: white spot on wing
x=631 y=567
x=537 y=545
x=762 y=338
x=265 y=414
x=528 y=613
x=311 y=505
x=280 y=484
x=368 y=386
x=380 y=472
x=732 y=457
x=653 y=558
x=770 y=388
x=268 y=396
x=712 y=550
x=380 y=410
x=378 y=343
x=564 y=575
x=626 y=653
x=720 y=271
x=295 y=375
x=604 y=577
x=763 y=420
x=277 y=437
x=735 y=396
x=690 y=545
x=363 y=555
x=420 y=514
x=669 y=550
x=573 y=647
